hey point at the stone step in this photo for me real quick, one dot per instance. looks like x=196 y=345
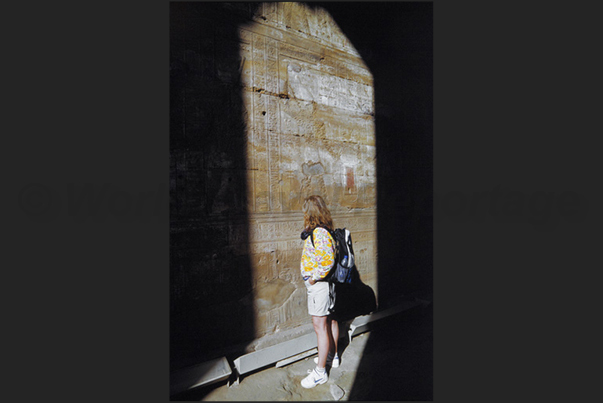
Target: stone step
x=362 y=323
x=298 y=348
x=297 y=357
x=200 y=375
x=267 y=356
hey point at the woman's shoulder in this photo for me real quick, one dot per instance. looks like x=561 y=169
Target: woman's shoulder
x=320 y=231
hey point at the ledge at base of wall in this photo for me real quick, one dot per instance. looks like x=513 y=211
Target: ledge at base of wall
x=282 y=354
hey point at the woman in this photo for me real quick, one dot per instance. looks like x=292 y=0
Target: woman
x=318 y=257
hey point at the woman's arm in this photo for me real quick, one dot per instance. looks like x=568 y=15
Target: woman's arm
x=324 y=255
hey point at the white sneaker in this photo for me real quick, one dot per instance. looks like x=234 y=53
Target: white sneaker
x=331 y=362
x=314 y=379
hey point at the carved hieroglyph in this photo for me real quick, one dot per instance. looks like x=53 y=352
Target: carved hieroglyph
x=308 y=100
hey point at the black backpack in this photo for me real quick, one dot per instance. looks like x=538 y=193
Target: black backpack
x=345 y=261
x=353 y=297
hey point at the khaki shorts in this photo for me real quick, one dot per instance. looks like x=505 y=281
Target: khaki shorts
x=321 y=297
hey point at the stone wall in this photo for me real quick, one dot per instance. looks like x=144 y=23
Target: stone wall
x=270 y=103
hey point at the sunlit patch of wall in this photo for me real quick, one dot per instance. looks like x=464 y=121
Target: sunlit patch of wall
x=309 y=122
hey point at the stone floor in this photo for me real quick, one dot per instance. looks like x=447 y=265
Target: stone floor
x=393 y=361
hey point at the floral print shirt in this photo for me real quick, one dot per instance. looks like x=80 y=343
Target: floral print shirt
x=317 y=260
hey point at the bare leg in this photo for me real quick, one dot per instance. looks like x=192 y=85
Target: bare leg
x=322 y=337
x=334 y=332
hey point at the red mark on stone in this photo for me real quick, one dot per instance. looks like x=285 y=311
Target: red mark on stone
x=349 y=176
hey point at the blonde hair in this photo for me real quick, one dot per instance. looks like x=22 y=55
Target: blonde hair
x=316 y=214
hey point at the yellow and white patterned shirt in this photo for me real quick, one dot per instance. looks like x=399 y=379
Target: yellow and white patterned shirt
x=317 y=260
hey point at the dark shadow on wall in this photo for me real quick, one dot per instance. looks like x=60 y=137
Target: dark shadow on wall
x=211 y=312
x=395 y=40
